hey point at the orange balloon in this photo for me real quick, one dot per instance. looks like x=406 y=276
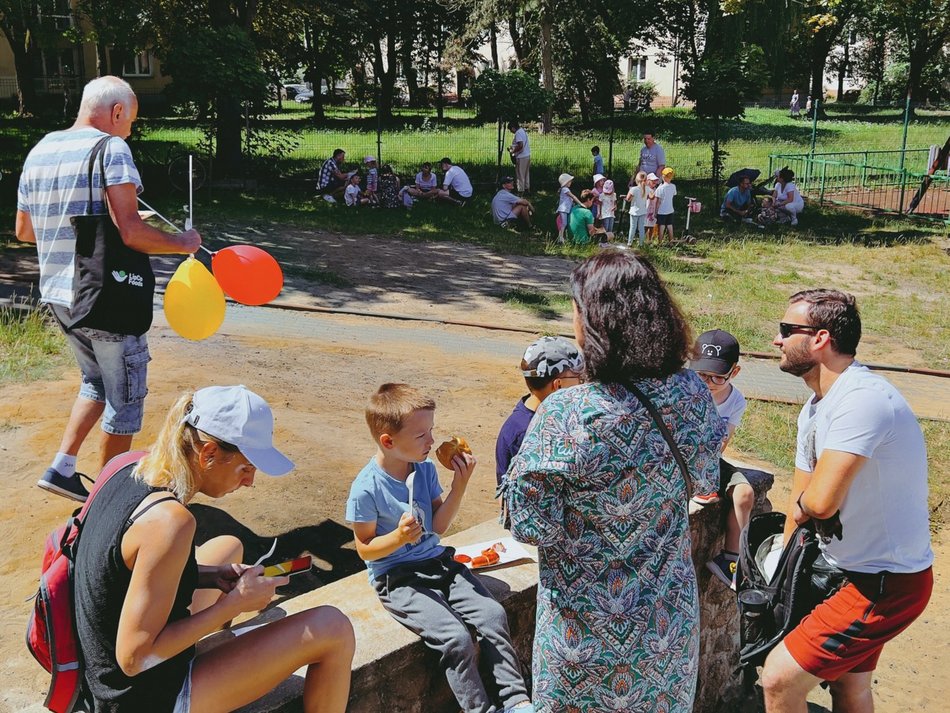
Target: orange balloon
x=247 y=274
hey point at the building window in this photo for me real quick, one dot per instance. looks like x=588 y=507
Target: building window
x=139 y=65
x=636 y=69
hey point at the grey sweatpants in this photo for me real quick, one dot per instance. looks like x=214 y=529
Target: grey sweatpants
x=437 y=598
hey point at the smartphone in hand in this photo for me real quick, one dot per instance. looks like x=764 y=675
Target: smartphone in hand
x=290 y=567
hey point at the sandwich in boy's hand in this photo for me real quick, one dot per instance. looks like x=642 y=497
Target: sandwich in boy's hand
x=448 y=450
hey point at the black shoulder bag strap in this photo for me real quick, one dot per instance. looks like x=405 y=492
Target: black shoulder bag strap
x=666 y=435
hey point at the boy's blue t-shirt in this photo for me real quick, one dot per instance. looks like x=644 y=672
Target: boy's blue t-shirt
x=376 y=495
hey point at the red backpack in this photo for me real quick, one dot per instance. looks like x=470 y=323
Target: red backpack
x=51 y=629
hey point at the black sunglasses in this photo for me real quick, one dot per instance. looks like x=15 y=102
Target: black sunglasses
x=786 y=329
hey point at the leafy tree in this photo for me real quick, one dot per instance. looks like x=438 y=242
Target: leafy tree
x=924 y=27
x=509 y=95
x=720 y=85
x=21 y=24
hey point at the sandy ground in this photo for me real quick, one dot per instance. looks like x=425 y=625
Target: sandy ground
x=317 y=383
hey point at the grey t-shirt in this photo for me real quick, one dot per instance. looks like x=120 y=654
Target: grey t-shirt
x=502 y=205
x=652 y=158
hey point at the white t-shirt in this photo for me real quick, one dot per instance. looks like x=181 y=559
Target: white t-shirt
x=638 y=199
x=884 y=516
x=732 y=408
x=351 y=196
x=608 y=205
x=564 y=202
x=664 y=197
x=522 y=136
x=424 y=184
x=456 y=178
x=796 y=205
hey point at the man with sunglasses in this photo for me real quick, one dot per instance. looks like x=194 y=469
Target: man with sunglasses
x=861 y=477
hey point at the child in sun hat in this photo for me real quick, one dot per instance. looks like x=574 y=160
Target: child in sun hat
x=665 y=193
x=565 y=202
x=598 y=179
x=372 y=179
x=649 y=221
x=608 y=208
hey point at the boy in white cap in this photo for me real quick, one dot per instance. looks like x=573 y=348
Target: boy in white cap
x=549 y=364
x=565 y=202
x=372 y=179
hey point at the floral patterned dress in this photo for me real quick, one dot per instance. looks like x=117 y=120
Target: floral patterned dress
x=597 y=489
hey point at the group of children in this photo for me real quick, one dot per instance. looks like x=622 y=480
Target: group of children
x=649 y=202
x=398 y=511
x=380 y=188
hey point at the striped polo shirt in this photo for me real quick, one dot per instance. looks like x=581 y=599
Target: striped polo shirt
x=54 y=187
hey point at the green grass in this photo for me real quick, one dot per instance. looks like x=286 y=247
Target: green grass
x=768 y=432
x=31 y=346
x=412 y=138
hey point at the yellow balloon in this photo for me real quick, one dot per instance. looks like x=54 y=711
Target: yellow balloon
x=194 y=302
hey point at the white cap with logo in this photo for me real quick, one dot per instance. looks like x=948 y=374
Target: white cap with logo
x=236 y=415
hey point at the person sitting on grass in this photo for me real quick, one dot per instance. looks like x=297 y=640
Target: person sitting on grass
x=389 y=188
x=331 y=181
x=456 y=188
x=738 y=204
x=717 y=363
x=397 y=525
x=507 y=209
x=353 y=196
x=427 y=184
x=549 y=364
x=581 y=224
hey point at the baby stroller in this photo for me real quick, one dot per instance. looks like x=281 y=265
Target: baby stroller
x=692 y=206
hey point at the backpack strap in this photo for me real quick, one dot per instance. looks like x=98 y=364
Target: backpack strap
x=658 y=420
x=148 y=507
x=123 y=460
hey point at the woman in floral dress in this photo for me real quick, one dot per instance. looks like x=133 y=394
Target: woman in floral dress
x=596 y=487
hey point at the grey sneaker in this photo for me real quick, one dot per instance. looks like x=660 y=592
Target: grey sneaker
x=71 y=488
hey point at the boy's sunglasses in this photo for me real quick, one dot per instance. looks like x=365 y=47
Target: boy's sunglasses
x=786 y=329
x=716 y=379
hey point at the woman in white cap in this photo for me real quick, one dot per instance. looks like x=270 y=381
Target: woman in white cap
x=142 y=589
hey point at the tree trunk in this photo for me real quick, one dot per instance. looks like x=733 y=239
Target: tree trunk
x=228 y=134
x=23 y=66
x=547 y=69
x=312 y=74
x=493 y=44
x=582 y=100
x=915 y=69
x=102 y=60
x=461 y=84
x=386 y=78
x=410 y=72
x=515 y=35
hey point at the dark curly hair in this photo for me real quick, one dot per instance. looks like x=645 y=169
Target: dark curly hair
x=632 y=327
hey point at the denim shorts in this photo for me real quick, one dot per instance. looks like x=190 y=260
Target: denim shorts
x=114 y=370
x=183 y=702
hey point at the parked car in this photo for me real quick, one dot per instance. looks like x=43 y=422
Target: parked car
x=304 y=96
x=292 y=90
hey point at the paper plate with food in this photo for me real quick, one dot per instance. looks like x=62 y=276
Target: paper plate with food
x=492 y=554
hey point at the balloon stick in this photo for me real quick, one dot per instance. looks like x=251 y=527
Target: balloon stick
x=171 y=224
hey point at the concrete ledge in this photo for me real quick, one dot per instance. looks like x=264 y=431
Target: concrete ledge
x=394 y=671
x=392 y=668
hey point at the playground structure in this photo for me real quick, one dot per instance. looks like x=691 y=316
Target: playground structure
x=881 y=181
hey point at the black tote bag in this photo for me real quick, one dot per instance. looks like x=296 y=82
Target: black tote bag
x=113 y=285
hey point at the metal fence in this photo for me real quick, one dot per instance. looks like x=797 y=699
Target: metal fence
x=883 y=181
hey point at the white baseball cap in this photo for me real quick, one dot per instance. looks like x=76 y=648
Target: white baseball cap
x=236 y=415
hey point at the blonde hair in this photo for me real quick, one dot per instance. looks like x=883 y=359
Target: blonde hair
x=168 y=463
x=641 y=180
x=389 y=407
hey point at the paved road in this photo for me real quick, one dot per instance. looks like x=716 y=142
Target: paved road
x=929 y=396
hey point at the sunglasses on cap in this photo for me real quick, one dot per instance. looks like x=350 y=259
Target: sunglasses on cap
x=787 y=329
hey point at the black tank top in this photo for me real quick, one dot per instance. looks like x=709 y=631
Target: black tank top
x=101 y=584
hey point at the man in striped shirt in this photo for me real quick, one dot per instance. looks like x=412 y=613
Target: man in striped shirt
x=54 y=188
